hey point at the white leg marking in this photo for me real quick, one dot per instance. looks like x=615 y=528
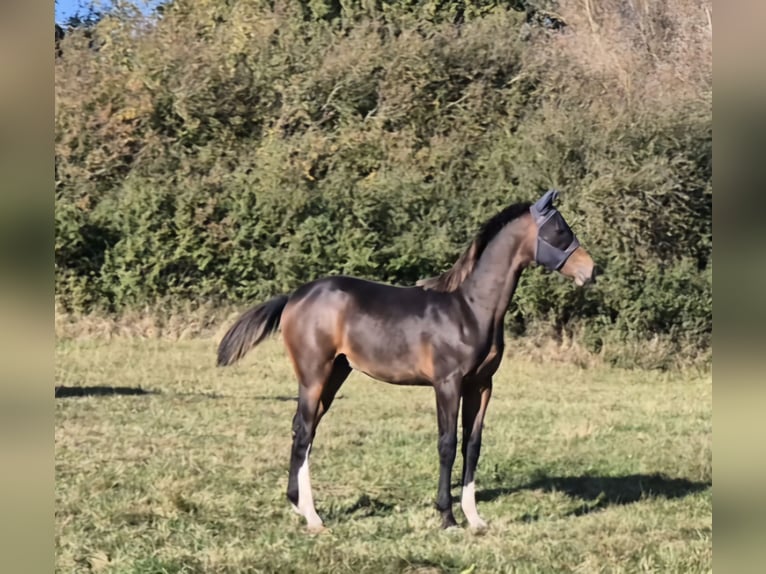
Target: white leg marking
x=305 y=498
x=468 y=504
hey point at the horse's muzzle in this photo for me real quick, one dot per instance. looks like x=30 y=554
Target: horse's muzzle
x=583 y=278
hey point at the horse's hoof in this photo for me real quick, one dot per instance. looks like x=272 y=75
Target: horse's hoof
x=452 y=530
x=448 y=521
x=316 y=528
x=479 y=528
x=314 y=524
x=450 y=525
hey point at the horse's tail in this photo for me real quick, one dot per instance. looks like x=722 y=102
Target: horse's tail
x=250 y=329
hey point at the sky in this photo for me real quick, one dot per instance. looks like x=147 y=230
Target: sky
x=67 y=8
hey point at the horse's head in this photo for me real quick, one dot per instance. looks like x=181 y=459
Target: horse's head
x=557 y=247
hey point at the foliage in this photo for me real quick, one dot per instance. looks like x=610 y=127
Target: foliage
x=226 y=151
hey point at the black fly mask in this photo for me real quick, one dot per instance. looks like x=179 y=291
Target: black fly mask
x=555 y=239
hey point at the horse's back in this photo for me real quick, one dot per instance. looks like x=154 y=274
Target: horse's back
x=363 y=291
x=333 y=304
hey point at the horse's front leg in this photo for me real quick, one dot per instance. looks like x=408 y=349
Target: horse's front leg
x=447 y=406
x=475 y=401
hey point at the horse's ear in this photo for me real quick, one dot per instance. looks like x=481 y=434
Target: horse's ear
x=545 y=202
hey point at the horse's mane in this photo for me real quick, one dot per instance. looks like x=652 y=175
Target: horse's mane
x=451 y=279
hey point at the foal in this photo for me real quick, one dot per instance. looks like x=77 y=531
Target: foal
x=446 y=332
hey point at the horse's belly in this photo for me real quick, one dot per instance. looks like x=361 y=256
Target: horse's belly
x=395 y=372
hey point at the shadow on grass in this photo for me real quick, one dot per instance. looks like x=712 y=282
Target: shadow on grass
x=365 y=506
x=415 y=563
x=63 y=392
x=599 y=492
x=285 y=398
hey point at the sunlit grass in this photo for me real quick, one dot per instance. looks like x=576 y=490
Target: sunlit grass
x=582 y=470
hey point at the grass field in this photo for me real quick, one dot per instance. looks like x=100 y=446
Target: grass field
x=582 y=470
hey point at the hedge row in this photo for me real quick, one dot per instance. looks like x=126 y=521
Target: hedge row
x=227 y=151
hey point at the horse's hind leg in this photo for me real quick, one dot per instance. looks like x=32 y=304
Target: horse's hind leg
x=340 y=371
x=317 y=391
x=299 y=482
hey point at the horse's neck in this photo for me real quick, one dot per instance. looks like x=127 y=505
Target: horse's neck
x=489 y=288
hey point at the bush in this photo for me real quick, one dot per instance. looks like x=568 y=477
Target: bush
x=227 y=151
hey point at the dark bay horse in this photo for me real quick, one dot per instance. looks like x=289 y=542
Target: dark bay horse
x=446 y=332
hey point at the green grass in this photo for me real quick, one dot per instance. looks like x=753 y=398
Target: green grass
x=582 y=470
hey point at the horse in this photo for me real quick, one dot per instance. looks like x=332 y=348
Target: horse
x=445 y=331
